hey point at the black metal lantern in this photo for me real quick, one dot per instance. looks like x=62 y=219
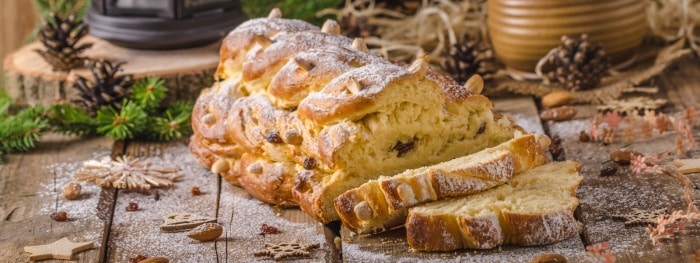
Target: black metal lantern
x=163 y=24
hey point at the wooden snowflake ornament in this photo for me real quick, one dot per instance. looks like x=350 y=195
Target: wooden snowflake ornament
x=127 y=172
x=640 y=217
x=283 y=251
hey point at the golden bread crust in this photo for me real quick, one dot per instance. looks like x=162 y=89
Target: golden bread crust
x=309 y=114
x=387 y=198
x=543 y=214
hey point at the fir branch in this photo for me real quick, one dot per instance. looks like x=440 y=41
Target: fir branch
x=149 y=92
x=174 y=125
x=68 y=119
x=126 y=123
x=22 y=131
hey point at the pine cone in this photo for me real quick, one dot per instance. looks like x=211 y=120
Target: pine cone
x=357 y=26
x=106 y=89
x=577 y=64
x=60 y=37
x=467 y=58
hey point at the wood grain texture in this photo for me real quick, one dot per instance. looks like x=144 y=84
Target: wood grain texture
x=138 y=232
x=31 y=80
x=601 y=197
x=17 y=20
x=31 y=188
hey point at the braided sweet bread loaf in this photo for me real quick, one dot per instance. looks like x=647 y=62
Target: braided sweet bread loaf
x=300 y=115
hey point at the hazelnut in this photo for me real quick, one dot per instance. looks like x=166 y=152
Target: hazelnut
x=623 y=156
x=71 y=191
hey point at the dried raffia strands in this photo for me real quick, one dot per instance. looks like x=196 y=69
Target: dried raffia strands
x=611 y=87
x=437 y=25
x=674 y=20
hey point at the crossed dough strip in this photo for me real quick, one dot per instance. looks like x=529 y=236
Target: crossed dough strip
x=300 y=114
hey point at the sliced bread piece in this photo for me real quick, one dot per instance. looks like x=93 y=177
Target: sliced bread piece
x=382 y=204
x=535 y=208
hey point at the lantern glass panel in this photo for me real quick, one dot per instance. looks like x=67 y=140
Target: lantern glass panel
x=198 y=3
x=143 y=4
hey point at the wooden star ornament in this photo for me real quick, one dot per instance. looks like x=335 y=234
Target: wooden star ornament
x=61 y=249
x=686 y=166
x=640 y=217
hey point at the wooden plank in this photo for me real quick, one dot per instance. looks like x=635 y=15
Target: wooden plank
x=601 y=197
x=243 y=216
x=31 y=186
x=138 y=232
x=391 y=246
x=31 y=80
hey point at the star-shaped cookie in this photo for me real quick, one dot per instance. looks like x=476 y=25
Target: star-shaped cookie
x=640 y=217
x=686 y=166
x=61 y=249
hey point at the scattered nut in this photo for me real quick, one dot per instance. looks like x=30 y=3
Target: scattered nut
x=59 y=216
x=155 y=260
x=562 y=113
x=132 y=206
x=71 y=191
x=195 y=191
x=206 y=232
x=549 y=258
x=623 y=156
x=557 y=98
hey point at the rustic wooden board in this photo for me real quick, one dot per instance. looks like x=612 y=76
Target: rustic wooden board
x=138 y=232
x=31 y=186
x=391 y=246
x=601 y=197
x=30 y=80
x=241 y=215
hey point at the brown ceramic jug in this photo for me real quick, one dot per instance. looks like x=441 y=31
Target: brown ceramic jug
x=523 y=31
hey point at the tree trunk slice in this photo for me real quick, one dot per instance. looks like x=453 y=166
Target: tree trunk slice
x=29 y=80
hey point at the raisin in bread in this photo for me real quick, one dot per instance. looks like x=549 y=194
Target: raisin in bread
x=534 y=208
x=301 y=114
x=382 y=204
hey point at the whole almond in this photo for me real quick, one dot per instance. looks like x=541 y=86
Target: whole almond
x=557 y=98
x=562 y=113
x=623 y=156
x=206 y=232
x=155 y=260
x=549 y=258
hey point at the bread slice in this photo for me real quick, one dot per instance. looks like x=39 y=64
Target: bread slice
x=534 y=208
x=382 y=204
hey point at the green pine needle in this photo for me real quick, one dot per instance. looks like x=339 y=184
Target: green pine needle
x=124 y=124
x=149 y=92
x=22 y=131
x=66 y=118
x=175 y=124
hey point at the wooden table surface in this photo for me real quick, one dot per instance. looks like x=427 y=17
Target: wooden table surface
x=31 y=185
